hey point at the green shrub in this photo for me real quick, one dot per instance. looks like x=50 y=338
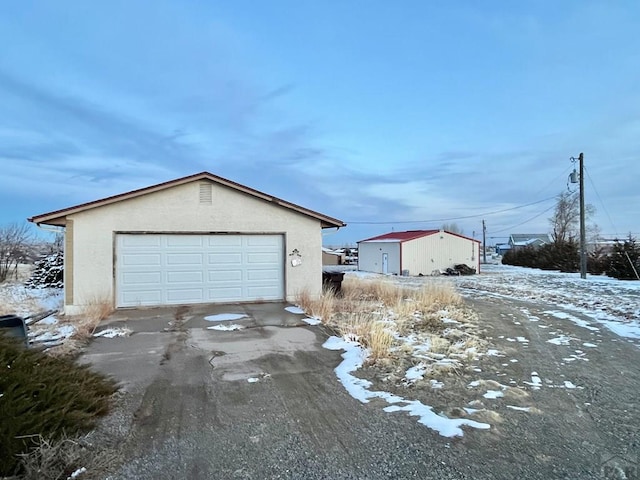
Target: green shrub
x=624 y=263
x=46 y=396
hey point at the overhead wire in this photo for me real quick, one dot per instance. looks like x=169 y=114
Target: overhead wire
x=465 y=217
x=485 y=214
x=601 y=202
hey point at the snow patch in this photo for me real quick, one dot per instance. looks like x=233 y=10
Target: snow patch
x=312 y=320
x=113 y=332
x=492 y=394
x=295 y=310
x=226 y=328
x=223 y=317
x=576 y=320
x=353 y=358
x=520 y=409
x=561 y=340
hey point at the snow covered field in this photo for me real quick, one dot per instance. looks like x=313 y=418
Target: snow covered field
x=603 y=301
x=610 y=302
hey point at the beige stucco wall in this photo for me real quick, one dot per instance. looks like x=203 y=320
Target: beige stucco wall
x=439 y=251
x=178 y=209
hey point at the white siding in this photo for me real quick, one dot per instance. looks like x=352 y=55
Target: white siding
x=370 y=256
x=439 y=251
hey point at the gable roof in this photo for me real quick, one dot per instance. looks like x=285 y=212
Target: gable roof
x=409 y=235
x=58 y=217
x=528 y=238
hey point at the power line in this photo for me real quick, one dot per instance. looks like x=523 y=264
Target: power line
x=452 y=218
x=526 y=221
x=601 y=202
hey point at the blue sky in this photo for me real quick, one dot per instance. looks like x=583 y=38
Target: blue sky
x=419 y=113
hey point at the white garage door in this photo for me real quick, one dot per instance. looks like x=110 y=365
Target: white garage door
x=165 y=269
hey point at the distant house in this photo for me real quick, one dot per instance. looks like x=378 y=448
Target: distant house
x=332 y=257
x=520 y=240
x=502 y=248
x=417 y=252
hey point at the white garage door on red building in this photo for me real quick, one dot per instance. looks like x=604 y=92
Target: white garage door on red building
x=174 y=269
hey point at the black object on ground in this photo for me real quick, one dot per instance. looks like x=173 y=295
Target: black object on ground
x=333 y=281
x=13 y=326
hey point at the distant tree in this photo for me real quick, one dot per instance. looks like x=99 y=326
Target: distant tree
x=49 y=268
x=565 y=222
x=452 y=228
x=14 y=243
x=624 y=262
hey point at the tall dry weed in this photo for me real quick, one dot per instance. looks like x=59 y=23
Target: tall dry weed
x=95 y=310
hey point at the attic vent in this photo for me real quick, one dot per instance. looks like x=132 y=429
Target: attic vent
x=206 y=194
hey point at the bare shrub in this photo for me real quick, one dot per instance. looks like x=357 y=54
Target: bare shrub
x=374 y=312
x=14 y=239
x=58 y=459
x=95 y=310
x=322 y=307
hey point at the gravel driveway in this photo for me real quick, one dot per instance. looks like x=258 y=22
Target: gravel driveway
x=263 y=401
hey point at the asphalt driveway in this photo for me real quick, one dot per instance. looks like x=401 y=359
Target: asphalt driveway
x=260 y=402
x=263 y=402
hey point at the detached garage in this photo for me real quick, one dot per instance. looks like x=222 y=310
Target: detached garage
x=197 y=239
x=417 y=252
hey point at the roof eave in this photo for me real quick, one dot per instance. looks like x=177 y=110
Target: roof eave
x=58 y=217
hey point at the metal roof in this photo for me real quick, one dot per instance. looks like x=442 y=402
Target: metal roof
x=410 y=235
x=401 y=236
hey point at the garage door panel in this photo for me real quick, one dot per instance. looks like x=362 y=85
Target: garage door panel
x=157 y=269
x=226 y=294
x=185 y=277
x=262 y=258
x=224 y=240
x=146 y=241
x=143 y=259
x=142 y=297
x=266 y=274
x=224 y=258
x=185 y=295
x=142 y=278
x=183 y=241
x=263 y=293
x=184 y=259
x=224 y=275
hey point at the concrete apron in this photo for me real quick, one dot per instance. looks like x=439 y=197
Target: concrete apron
x=160 y=334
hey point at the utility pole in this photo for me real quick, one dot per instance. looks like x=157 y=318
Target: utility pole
x=484 y=242
x=583 y=232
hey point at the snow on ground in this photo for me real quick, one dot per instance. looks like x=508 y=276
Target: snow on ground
x=353 y=358
x=223 y=317
x=113 y=332
x=312 y=320
x=295 y=310
x=16 y=299
x=612 y=303
x=226 y=328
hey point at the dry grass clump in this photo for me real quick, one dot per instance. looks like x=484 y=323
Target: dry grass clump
x=58 y=459
x=322 y=308
x=378 y=313
x=95 y=311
